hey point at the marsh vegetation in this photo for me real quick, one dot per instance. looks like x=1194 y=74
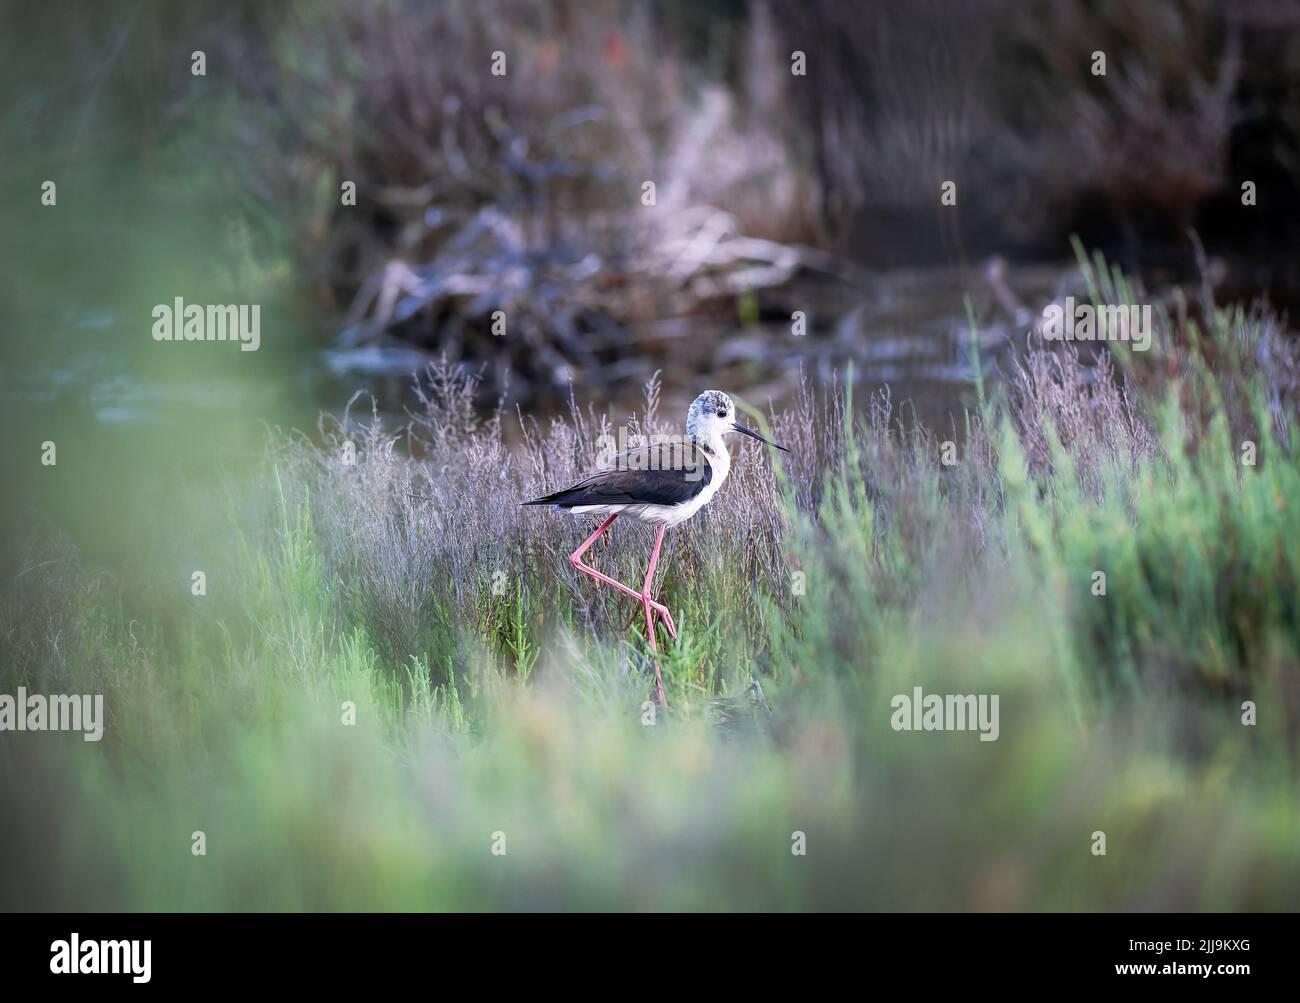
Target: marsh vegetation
x=392 y=671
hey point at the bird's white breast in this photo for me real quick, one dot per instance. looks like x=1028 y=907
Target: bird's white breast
x=720 y=464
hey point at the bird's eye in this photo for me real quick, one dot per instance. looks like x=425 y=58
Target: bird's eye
x=722 y=414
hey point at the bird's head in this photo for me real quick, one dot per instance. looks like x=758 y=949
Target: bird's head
x=712 y=415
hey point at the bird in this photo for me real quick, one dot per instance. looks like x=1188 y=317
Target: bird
x=662 y=484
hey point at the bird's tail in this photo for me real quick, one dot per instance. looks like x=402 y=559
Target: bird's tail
x=545 y=499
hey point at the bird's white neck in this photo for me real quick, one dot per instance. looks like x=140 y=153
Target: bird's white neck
x=719 y=456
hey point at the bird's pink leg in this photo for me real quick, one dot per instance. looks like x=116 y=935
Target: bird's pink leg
x=646 y=595
x=650 y=612
x=576 y=560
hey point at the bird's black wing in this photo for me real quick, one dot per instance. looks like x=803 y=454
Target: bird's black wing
x=664 y=486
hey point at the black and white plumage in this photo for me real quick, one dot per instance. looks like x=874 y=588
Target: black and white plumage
x=646 y=487
x=663 y=483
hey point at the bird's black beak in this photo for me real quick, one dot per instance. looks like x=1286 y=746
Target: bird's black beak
x=754 y=435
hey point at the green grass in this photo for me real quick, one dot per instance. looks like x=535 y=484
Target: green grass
x=519 y=703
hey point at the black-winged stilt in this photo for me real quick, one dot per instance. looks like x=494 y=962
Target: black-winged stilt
x=662 y=484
